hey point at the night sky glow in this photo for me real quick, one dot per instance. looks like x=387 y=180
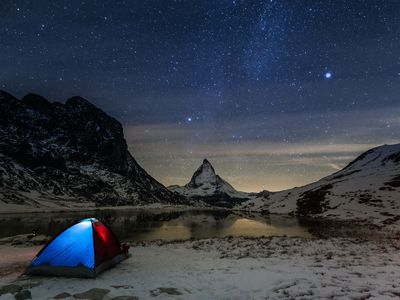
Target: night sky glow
x=275 y=93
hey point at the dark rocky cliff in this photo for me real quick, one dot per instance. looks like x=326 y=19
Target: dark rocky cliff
x=69 y=152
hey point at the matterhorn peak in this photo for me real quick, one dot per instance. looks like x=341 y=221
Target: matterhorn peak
x=206 y=162
x=204 y=174
x=207 y=186
x=206 y=165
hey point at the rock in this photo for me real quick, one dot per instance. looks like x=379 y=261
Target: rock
x=165 y=290
x=125 y=298
x=39 y=239
x=62 y=295
x=10 y=289
x=30 y=284
x=122 y=286
x=24 y=239
x=92 y=294
x=23 y=295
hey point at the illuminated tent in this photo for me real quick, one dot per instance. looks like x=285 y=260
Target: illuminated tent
x=83 y=250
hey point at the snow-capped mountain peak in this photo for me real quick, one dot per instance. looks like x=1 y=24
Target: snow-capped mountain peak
x=207 y=186
x=203 y=175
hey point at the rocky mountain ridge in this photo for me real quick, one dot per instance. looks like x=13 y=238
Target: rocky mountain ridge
x=56 y=154
x=367 y=188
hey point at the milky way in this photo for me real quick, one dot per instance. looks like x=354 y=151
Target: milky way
x=274 y=93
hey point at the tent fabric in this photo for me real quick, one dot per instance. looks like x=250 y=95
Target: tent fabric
x=82 y=250
x=106 y=244
x=74 y=247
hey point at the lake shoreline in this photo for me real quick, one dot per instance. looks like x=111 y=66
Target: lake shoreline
x=62 y=210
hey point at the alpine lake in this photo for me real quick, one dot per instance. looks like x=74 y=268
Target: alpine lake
x=146 y=225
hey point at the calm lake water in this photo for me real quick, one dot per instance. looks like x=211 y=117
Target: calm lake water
x=147 y=225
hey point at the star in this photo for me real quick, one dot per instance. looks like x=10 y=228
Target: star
x=328 y=75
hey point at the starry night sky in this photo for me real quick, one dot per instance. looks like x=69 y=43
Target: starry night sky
x=275 y=93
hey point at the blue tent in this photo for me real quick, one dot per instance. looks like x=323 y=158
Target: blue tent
x=82 y=250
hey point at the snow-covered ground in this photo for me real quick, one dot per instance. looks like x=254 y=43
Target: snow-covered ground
x=233 y=268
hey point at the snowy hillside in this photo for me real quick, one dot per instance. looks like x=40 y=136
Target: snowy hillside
x=55 y=155
x=367 y=188
x=210 y=188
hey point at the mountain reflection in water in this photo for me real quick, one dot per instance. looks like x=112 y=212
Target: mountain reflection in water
x=147 y=225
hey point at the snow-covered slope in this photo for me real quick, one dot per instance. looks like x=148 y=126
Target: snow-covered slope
x=367 y=188
x=208 y=187
x=54 y=154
